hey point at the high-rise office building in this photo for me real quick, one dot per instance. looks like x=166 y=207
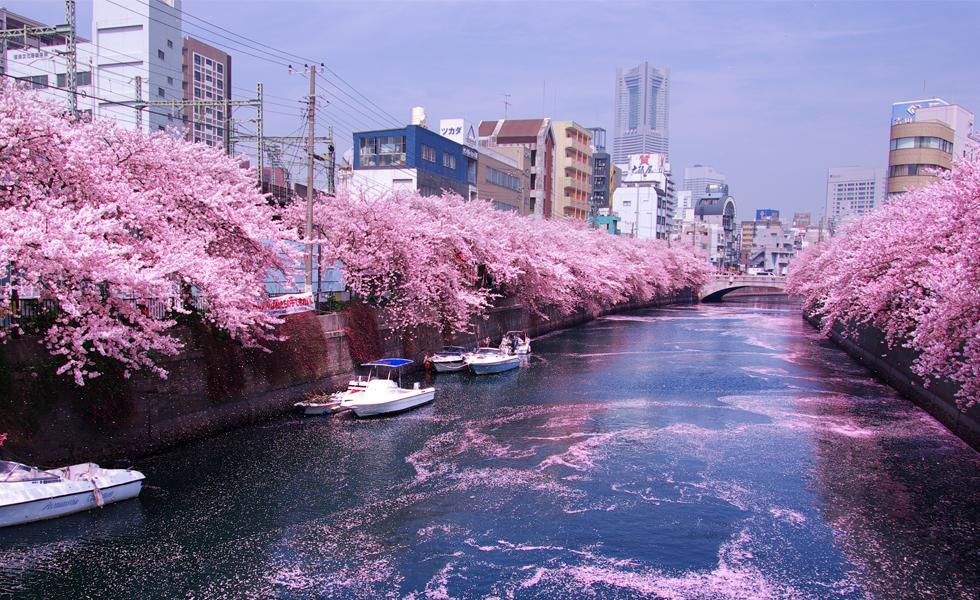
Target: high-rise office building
x=642 y=110
x=852 y=192
x=207 y=76
x=698 y=177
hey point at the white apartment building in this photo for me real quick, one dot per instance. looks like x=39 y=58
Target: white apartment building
x=134 y=44
x=644 y=200
x=852 y=192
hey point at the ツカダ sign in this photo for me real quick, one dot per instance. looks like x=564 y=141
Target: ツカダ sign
x=289 y=304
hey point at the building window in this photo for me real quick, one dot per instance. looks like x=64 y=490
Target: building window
x=170 y=44
x=197 y=58
x=428 y=153
x=170 y=80
x=161 y=55
x=912 y=170
x=448 y=160
x=161 y=92
x=503 y=179
x=81 y=78
x=35 y=81
x=221 y=68
x=921 y=141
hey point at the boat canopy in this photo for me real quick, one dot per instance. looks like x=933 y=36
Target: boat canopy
x=452 y=350
x=11 y=472
x=393 y=363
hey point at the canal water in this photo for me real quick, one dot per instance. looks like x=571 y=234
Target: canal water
x=721 y=451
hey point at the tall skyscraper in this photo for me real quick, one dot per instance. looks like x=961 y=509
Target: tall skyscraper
x=698 y=177
x=852 y=192
x=642 y=112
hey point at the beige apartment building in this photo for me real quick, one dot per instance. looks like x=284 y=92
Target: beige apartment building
x=504 y=178
x=926 y=137
x=573 y=170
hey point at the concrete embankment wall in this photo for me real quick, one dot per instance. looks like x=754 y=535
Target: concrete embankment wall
x=894 y=366
x=213 y=384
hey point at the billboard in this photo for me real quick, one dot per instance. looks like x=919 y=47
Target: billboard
x=904 y=112
x=645 y=167
x=458 y=130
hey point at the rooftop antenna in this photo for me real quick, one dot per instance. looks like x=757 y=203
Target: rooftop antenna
x=506 y=104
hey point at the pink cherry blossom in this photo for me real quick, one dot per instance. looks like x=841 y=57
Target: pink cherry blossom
x=912 y=270
x=442 y=261
x=102 y=223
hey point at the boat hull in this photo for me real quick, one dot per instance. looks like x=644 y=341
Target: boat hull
x=371 y=409
x=480 y=368
x=71 y=502
x=449 y=367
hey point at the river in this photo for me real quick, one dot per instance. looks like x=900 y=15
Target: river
x=710 y=451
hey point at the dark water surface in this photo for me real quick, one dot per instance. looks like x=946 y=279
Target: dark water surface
x=689 y=452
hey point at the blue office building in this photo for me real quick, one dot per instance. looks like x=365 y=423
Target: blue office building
x=414 y=157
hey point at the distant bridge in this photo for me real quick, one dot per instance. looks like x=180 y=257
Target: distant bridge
x=720 y=284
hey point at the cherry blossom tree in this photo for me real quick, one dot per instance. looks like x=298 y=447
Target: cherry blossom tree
x=912 y=270
x=442 y=261
x=101 y=223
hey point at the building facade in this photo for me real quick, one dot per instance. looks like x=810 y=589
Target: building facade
x=206 y=76
x=641 y=112
x=717 y=207
x=413 y=158
x=601 y=165
x=536 y=136
x=852 y=192
x=801 y=220
x=926 y=136
x=573 y=170
x=698 y=177
x=645 y=200
x=138 y=46
x=504 y=181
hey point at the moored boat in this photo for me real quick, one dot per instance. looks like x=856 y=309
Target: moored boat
x=492 y=360
x=30 y=494
x=516 y=342
x=449 y=359
x=382 y=395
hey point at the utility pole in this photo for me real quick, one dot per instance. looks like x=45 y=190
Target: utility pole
x=139 y=103
x=72 y=60
x=506 y=104
x=258 y=132
x=311 y=136
x=310 y=123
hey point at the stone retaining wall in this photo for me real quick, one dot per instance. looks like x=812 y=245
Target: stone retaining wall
x=894 y=366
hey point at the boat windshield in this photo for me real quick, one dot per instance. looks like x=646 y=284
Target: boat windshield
x=452 y=350
x=11 y=472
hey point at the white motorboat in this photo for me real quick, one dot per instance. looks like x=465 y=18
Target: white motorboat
x=382 y=395
x=516 y=342
x=29 y=494
x=492 y=360
x=321 y=405
x=449 y=359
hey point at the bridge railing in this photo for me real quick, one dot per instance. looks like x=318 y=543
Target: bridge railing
x=750 y=278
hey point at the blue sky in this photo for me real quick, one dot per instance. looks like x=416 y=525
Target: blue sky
x=772 y=94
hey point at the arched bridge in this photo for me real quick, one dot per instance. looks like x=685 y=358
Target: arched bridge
x=719 y=285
